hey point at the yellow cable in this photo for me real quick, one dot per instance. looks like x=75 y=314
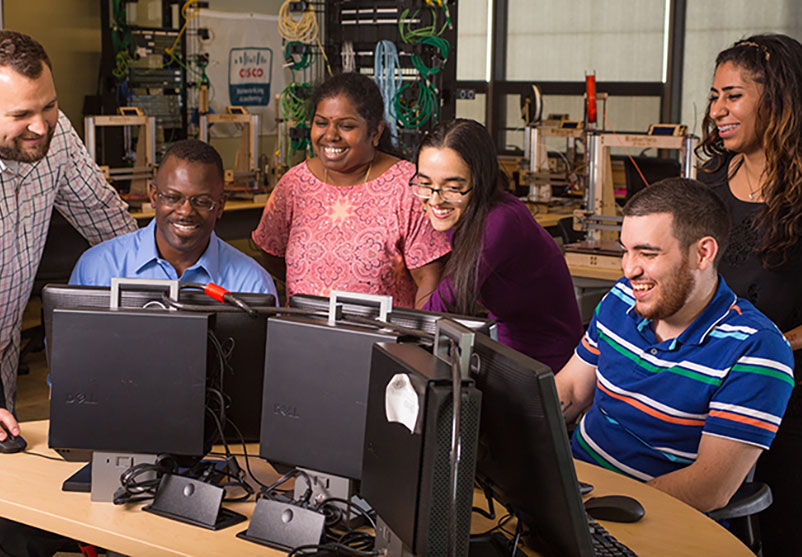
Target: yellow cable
x=186 y=5
x=303 y=30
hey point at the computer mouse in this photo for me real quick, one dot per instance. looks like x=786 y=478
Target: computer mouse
x=11 y=444
x=615 y=508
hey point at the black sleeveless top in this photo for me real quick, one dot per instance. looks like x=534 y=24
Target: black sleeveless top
x=777 y=292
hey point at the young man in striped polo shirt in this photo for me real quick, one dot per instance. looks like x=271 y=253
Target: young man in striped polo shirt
x=688 y=382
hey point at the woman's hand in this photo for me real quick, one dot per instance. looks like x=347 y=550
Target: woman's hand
x=426 y=278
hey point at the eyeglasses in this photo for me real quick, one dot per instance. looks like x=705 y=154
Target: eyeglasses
x=198 y=202
x=449 y=195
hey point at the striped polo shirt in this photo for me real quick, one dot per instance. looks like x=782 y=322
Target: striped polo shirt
x=729 y=374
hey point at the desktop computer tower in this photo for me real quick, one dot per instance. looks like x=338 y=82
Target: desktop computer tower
x=406 y=474
x=315 y=393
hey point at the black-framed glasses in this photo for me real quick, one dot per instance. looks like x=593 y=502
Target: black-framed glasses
x=198 y=202
x=449 y=195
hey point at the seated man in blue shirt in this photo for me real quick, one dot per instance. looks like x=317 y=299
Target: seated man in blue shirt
x=179 y=243
x=688 y=382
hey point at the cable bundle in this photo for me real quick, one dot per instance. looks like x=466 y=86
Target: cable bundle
x=414 y=110
x=303 y=30
x=387 y=75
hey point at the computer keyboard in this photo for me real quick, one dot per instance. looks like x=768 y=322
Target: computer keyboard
x=604 y=544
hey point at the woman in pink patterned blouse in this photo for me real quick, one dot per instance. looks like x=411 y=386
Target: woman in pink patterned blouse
x=346 y=219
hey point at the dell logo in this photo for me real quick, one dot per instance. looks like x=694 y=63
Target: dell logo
x=285 y=411
x=80 y=398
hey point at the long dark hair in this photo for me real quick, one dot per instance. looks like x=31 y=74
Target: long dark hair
x=470 y=140
x=364 y=94
x=774 y=61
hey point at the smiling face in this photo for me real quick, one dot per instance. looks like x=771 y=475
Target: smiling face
x=657 y=267
x=182 y=232
x=444 y=169
x=733 y=107
x=28 y=115
x=340 y=136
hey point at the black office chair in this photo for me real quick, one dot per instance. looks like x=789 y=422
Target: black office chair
x=741 y=512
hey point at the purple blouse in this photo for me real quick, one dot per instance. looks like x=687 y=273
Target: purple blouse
x=525 y=286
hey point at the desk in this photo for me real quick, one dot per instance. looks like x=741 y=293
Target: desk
x=31 y=493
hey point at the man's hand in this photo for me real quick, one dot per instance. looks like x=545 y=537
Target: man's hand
x=10 y=423
x=710 y=482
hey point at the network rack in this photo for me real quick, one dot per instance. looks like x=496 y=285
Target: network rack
x=362 y=24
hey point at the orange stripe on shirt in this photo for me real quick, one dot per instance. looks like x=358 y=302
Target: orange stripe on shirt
x=744 y=419
x=589 y=348
x=662 y=416
x=736 y=308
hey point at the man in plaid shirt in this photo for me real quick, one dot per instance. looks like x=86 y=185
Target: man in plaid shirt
x=43 y=165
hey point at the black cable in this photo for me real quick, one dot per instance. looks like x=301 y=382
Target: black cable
x=264 y=310
x=48 y=457
x=246 y=455
x=491 y=511
x=454 y=457
x=338 y=548
x=348 y=504
x=499 y=526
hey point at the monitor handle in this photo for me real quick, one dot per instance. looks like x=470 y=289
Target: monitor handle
x=385 y=303
x=118 y=284
x=445 y=330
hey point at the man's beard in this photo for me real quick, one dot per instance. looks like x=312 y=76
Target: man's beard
x=15 y=152
x=673 y=296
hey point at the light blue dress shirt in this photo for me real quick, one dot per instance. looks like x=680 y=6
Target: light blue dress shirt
x=134 y=255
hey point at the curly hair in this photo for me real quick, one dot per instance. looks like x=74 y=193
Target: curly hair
x=774 y=61
x=471 y=141
x=22 y=53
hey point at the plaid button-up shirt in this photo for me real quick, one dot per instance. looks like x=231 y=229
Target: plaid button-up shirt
x=70 y=181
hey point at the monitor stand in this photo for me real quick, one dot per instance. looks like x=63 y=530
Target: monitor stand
x=107 y=468
x=101 y=476
x=325 y=486
x=81 y=481
x=388 y=543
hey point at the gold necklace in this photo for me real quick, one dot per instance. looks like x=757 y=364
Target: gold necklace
x=364 y=180
x=748 y=181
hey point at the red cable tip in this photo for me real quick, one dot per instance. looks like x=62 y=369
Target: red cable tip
x=214 y=291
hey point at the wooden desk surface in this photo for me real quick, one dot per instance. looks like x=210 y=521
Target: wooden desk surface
x=31 y=493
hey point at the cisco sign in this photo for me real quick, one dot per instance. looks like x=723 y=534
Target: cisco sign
x=249 y=76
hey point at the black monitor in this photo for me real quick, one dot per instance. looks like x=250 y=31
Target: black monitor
x=524 y=453
x=315 y=393
x=242 y=337
x=406 y=317
x=128 y=380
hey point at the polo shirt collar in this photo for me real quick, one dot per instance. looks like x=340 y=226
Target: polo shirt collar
x=696 y=333
x=147 y=253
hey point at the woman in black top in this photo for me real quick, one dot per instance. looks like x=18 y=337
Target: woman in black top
x=753 y=143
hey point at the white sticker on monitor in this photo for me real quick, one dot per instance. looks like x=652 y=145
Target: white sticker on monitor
x=401 y=402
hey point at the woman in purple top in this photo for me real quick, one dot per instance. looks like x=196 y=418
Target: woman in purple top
x=501 y=258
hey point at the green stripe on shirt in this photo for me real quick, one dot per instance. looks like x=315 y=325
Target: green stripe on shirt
x=744 y=368
x=648 y=366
